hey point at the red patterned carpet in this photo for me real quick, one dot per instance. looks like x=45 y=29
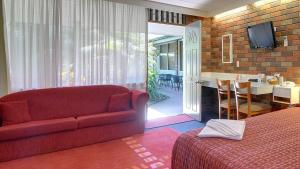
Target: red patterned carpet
x=164 y=121
x=145 y=151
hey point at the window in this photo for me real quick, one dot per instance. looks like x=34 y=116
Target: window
x=86 y=43
x=164 y=57
x=171 y=54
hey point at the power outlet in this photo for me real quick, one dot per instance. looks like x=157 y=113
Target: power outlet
x=285 y=41
x=237 y=63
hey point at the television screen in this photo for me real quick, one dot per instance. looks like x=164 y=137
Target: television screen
x=262 y=36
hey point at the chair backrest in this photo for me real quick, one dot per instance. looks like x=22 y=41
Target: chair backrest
x=180 y=78
x=223 y=87
x=162 y=76
x=242 y=90
x=175 y=78
x=168 y=76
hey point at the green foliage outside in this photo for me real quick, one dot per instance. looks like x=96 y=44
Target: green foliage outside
x=153 y=86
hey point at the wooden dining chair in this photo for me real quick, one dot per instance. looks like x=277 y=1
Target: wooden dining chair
x=243 y=91
x=223 y=87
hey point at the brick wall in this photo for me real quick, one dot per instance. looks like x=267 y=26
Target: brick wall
x=285 y=15
x=206 y=41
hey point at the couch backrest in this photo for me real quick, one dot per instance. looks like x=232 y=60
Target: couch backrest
x=67 y=101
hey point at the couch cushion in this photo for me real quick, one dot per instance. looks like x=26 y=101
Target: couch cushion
x=35 y=128
x=106 y=118
x=55 y=103
x=14 y=112
x=119 y=102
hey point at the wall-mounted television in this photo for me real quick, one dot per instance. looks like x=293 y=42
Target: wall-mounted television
x=262 y=36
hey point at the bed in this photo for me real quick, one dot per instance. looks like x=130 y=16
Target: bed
x=270 y=141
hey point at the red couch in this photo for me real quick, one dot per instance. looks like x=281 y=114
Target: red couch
x=62 y=118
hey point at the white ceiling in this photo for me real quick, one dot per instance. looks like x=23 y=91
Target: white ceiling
x=212 y=7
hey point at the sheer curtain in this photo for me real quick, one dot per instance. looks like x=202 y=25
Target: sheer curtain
x=52 y=43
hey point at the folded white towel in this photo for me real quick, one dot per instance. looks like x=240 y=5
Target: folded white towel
x=230 y=129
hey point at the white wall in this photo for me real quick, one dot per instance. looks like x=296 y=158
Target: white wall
x=164 y=29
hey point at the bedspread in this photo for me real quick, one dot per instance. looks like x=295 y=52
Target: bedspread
x=270 y=141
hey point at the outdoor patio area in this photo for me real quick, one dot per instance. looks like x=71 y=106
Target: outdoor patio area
x=172 y=106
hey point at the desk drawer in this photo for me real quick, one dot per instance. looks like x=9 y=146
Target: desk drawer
x=282 y=92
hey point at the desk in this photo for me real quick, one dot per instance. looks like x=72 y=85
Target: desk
x=281 y=95
x=286 y=95
x=209 y=96
x=256 y=88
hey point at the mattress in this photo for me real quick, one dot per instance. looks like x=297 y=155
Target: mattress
x=270 y=141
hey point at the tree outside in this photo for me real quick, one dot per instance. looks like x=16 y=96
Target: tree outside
x=153 y=86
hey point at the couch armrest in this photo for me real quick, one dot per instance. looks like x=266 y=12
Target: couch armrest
x=1 y=120
x=139 y=101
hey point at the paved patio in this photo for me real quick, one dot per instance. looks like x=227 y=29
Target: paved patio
x=169 y=107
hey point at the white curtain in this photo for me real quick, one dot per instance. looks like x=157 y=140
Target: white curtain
x=53 y=43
